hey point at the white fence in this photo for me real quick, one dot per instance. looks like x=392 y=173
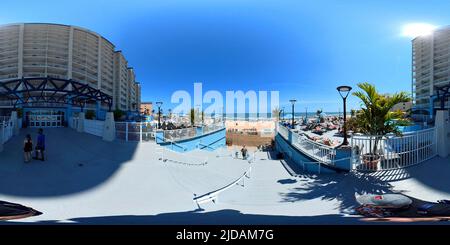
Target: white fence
x=135 y=131
x=179 y=134
x=6 y=125
x=316 y=151
x=187 y=133
x=373 y=153
x=212 y=127
x=94 y=127
x=319 y=152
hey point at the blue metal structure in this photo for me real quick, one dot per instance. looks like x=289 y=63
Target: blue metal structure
x=51 y=90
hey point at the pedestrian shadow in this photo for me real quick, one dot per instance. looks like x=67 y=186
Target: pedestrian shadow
x=75 y=162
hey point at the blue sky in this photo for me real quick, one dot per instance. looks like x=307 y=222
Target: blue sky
x=304 y=49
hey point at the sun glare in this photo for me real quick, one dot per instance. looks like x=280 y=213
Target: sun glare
x=414 y=30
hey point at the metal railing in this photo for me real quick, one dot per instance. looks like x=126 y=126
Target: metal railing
x=212 y=127
x=179 y=134
x=187 y=133
x=135 y=131
x=6 y=125
x=170 y=156
x=375 y=153
x=319 y=152
x=314 y=150
x=213 y=195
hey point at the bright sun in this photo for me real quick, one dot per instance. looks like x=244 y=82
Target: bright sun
x=417 y=29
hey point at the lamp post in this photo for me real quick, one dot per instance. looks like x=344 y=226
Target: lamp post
x=306 y=116
x=283 y=114
x=159 y=104
x=293 y=111
x=344 y=92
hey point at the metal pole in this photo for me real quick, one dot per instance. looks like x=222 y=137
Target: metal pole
x=345 y=122
x=159 y=117
x=293 y=115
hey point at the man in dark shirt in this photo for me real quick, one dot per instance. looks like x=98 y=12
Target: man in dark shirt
x=40 y=145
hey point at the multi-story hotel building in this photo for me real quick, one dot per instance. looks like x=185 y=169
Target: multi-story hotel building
x=68 y=52
x=430 y=68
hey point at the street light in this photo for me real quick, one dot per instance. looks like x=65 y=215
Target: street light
x=159 y=104
x=293 y=111
x=344 y=92
x=283 y=114
x=306 y=116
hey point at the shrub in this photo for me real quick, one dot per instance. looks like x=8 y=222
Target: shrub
x=90 y=114
x=118 y=114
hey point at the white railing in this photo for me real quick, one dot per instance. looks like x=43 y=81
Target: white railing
x=135 y=131
x=319 y=152
x=375 y=153
x=179 y=134
x=213 y=195
x=212 y=127
x=170 y=156
x=314 y=150
x=6 y=125
x=283 y=131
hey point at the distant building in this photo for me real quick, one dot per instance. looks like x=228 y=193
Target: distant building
x=146 y=108
x=430 y=68
x=403 y=106
x=66 y=54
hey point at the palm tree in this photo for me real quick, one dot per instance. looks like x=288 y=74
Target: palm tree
x=375 y=117
x=192 y=116
x=276 y=113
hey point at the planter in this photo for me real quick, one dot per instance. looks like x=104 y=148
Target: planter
x=371 y=162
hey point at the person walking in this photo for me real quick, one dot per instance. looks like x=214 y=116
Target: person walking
x=27 y=148
x=244 y=152
x=40 y=145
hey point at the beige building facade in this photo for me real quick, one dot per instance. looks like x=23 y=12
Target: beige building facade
x=68 y=52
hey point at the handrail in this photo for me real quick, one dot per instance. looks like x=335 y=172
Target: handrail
x=393 y=135
x=207 y=146
x=203 y=161
x=180 y=146
x=315 y=142
x=210 y=196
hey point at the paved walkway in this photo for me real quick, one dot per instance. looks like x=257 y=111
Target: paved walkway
x=88 y=181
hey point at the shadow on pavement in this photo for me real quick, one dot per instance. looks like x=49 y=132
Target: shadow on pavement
x=75 y=162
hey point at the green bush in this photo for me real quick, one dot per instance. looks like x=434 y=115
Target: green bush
x=19 y=112
x=90 y=114
x=118 y=114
